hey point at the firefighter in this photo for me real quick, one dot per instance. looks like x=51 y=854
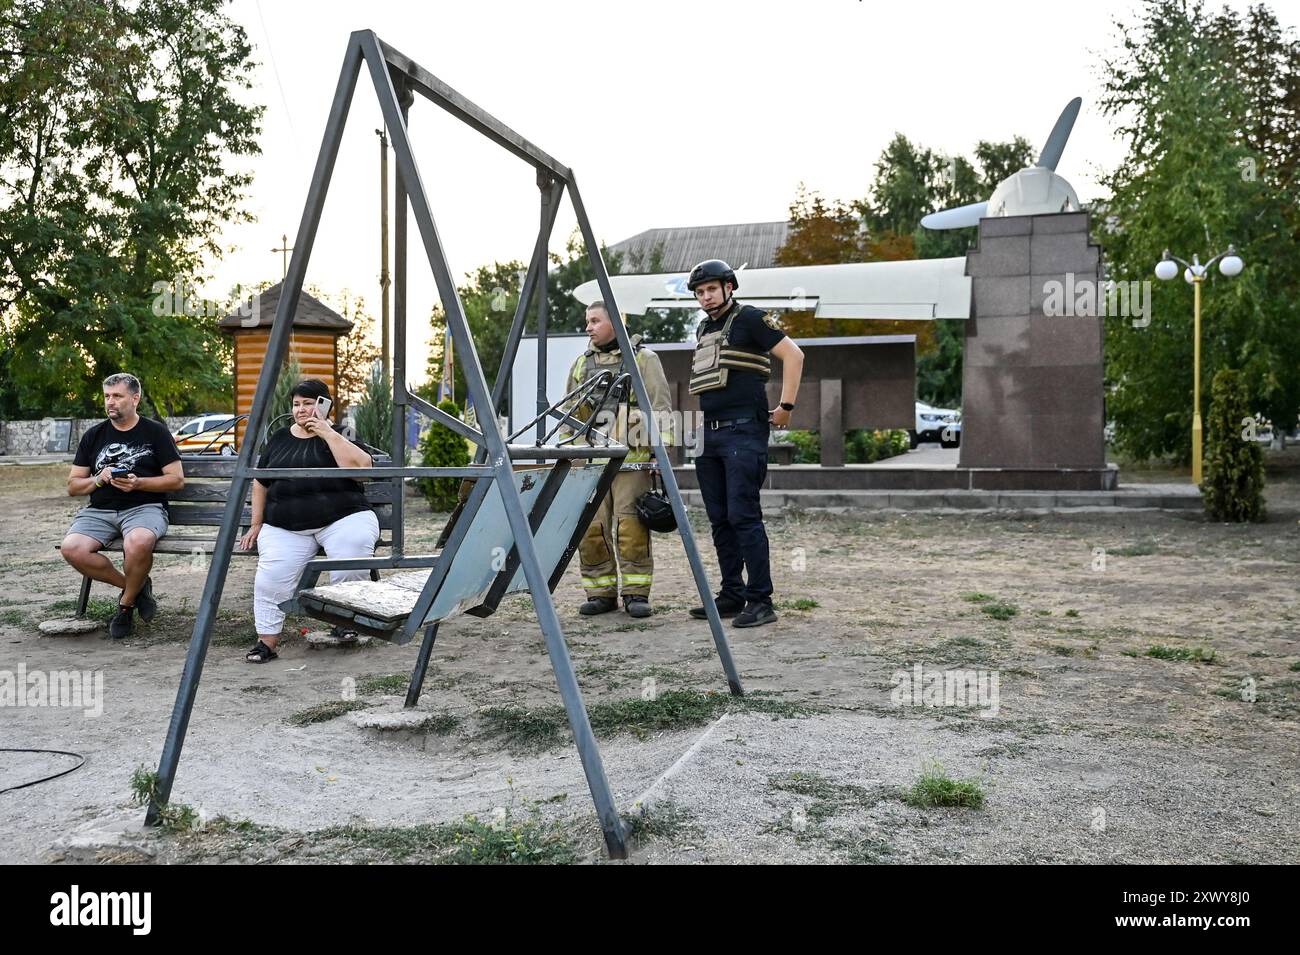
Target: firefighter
x=617 y=542
x=729 y=373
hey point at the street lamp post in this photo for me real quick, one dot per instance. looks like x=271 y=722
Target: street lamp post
x=1230 y=264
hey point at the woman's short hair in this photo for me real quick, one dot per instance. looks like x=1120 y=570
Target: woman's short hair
x=311 y=388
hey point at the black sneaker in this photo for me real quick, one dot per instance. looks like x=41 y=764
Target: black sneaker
x=637 y=606
x=727 y=607
x=145 y=602
x=121 y=625
x=755 y=615
x=595 y=605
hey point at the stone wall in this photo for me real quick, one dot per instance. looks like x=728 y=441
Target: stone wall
x=25 y=438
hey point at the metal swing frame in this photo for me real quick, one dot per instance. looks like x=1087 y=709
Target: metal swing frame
x=397 y=78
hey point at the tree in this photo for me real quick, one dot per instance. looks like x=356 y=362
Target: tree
x=440 y=447
x=374 y=417
x=120 y=127
x=831 y=233
x=566 y=313
x=910 y=182
x=357 y=351
x=1233 y=489
x=1208 y=110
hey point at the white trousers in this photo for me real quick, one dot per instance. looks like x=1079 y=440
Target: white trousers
x=282 y=554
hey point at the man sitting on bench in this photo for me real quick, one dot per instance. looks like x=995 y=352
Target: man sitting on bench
x=127 y=464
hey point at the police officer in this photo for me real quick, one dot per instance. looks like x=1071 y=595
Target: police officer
x=729 y=372
x=615 y=528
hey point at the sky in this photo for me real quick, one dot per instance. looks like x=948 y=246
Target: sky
x=669 y=114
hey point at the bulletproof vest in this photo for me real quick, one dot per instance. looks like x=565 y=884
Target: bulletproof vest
x=715 y=358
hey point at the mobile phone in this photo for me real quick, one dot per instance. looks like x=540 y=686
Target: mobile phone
x=323 y=406
x=121 y=472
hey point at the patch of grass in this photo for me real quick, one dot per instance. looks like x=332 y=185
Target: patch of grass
x=1072 y=613
x=1000 y=610
x=97 y=608
x=323 y=712
x=1141 y=549
x=389 y=684
x=803 y=603
x=1181 y=654
x=259 y=688
x=439 y=724
x=663 y=820
x=175 y=817
x=543 y=728
x=935 y=788
x=1294 y=667
x=13 y=618
x=858 y=851
x=829 y=797
x=977 y=597
x=1061 y=650
x=524 y=729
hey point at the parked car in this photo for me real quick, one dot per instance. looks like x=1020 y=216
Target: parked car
x=207 y=434
x=936 y=424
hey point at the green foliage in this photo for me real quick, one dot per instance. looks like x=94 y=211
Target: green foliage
x=282 y=397
x=1233 y=486
x=935 y=788
x=440 y=447
x=808 y=446
x=374 y=417
x=864 y=445
x=123 y=129
x=176 y=817
x=324 y=712
x=1206 y=106
x=861 y=445
x=910 y=181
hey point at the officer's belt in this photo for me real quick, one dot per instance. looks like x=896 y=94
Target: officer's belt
x=715 y=425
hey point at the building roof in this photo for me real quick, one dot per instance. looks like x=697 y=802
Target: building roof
x=259 y=312
x=754 y=244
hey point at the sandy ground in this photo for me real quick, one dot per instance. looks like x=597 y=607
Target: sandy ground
x=1098 y=752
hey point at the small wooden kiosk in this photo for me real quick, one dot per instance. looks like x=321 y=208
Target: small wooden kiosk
x=313 y=342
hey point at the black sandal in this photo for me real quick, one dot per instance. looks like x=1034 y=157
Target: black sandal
x=261 y=653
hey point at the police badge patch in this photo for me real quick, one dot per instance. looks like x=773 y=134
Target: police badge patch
x=772 y=322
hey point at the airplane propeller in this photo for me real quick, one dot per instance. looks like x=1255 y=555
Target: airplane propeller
x=962 y=217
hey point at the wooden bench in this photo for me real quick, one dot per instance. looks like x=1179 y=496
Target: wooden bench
x=196 y=511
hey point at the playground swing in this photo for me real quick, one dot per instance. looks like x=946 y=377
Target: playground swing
x=523 y=508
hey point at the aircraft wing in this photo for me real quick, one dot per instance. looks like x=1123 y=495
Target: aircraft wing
x=918 y=289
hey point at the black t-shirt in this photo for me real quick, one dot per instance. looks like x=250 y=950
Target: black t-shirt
x=303 y=503
x=745 y=395
x=146 y=449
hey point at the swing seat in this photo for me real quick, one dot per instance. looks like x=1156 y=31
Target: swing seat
x=472 y=578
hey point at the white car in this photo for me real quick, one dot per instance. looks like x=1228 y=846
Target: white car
x=936 y=424
x=207 y=434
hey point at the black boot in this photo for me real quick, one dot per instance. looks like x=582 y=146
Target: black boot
x=727 y=607
x=636 y=605
x=121 y=625
x=145 y=602
x=595 y=605
x=755 y=615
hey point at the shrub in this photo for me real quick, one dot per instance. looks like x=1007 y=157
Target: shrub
x=1233 y=484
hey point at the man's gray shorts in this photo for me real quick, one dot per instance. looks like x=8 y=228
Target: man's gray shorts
x=107 y=526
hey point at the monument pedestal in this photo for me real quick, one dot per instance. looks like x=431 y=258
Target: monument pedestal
x=1032 y=396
